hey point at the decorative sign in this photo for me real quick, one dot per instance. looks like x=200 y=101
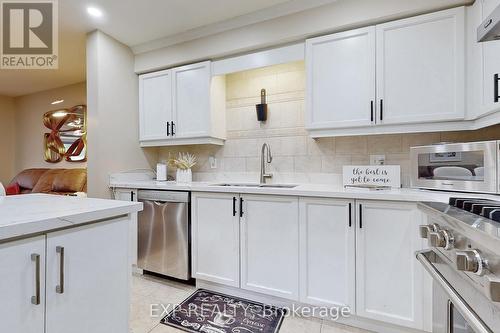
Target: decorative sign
x=372 y=175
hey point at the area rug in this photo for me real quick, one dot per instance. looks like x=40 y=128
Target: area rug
x=209 y=312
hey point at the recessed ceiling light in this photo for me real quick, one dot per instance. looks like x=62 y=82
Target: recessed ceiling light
x=95 y=12
x=59 y=101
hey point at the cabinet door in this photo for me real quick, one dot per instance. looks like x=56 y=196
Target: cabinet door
x=270 y=245
x=155 y=105
x=327 y=252
x=125 y=194
x=421 y=68
x=389 y=279
x=215 y=238
x=341 y=79
x=19 y=312
x=191 y=100
x=491 y=66
x=88 y=275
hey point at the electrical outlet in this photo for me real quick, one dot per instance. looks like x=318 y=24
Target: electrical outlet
x=213 y=162
x=377 y=159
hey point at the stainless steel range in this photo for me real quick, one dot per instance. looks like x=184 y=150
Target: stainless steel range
x=464 y=261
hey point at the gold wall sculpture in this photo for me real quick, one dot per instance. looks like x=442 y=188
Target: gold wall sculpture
x=67 y=137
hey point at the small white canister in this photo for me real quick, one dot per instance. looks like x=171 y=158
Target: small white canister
x=161 y=171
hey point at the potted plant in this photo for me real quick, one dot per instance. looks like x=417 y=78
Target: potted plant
x=184 y=162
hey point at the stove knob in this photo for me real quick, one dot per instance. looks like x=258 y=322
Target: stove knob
x=448 y=239
x=436 y=239
x=471 y=261
x=426 y=229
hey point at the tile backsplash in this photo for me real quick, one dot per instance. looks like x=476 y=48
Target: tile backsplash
x=296 y=156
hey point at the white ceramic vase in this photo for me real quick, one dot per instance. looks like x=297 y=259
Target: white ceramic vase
x=184 y=176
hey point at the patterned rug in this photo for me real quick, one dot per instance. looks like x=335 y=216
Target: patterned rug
x=209 y=312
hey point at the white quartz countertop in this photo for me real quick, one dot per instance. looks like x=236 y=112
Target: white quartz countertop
x=25 y=215
x=305 y=190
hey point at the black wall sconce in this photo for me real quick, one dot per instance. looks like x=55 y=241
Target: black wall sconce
x=262 y=107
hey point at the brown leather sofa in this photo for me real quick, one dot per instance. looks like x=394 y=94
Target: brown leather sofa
x=52 y=181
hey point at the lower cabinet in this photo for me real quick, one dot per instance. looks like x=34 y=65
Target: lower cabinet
x=270 y=245
x=327 y=252
x=389 y=279
x=125 y=194
x=22 y=286
x=75 y=280
x=88 y=276
x=318 y=251
x=216 y=237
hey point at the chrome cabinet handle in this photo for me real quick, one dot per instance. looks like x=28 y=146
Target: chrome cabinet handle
x=60 y=287
x=36 y=299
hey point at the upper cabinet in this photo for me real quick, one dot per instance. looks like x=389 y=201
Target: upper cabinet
x=183 y=105
x=490 y=67
x=341 y=79
x=421 y=68
x=408 y=71
x=155 y=99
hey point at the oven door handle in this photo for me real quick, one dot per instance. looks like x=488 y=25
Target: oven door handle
x=474 y=321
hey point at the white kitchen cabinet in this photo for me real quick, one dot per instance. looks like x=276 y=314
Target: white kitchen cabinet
x=125 y=194
x=270 y=245
x=327 y=252
x=421 y=68
x=88 y=279
x=191 y=100
x=215 y=234
x=490 y=66
x=389 y=279
x=20 y=309
x=182 y=105
x=341 y=79
x=155 y=106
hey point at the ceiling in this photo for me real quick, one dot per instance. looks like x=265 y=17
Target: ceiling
x=136 y=23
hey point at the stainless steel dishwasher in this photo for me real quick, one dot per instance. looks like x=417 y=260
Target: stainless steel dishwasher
x=164 y=233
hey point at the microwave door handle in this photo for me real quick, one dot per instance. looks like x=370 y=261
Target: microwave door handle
x=469 y=315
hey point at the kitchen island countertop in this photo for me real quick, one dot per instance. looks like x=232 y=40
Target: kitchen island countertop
x=26 y=215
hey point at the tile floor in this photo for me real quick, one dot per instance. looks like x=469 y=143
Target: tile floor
x=148 y=290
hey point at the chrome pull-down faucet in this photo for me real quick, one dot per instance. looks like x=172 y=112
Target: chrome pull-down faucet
x=268 y=159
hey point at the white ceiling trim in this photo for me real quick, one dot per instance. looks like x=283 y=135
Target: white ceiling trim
x=287 y=8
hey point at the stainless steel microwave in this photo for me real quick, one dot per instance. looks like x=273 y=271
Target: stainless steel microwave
x=466 y=167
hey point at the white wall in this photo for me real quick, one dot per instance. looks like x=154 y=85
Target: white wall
x=112 y=97
x=338 y=16
x=30 y=129
x=7 y=139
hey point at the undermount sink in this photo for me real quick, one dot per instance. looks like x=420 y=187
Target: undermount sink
x=257 y=185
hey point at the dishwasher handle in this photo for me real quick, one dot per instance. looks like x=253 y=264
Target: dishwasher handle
x=163 y=196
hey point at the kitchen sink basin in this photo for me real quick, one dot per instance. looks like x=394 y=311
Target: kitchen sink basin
x=278 y=185
x=257 y=185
